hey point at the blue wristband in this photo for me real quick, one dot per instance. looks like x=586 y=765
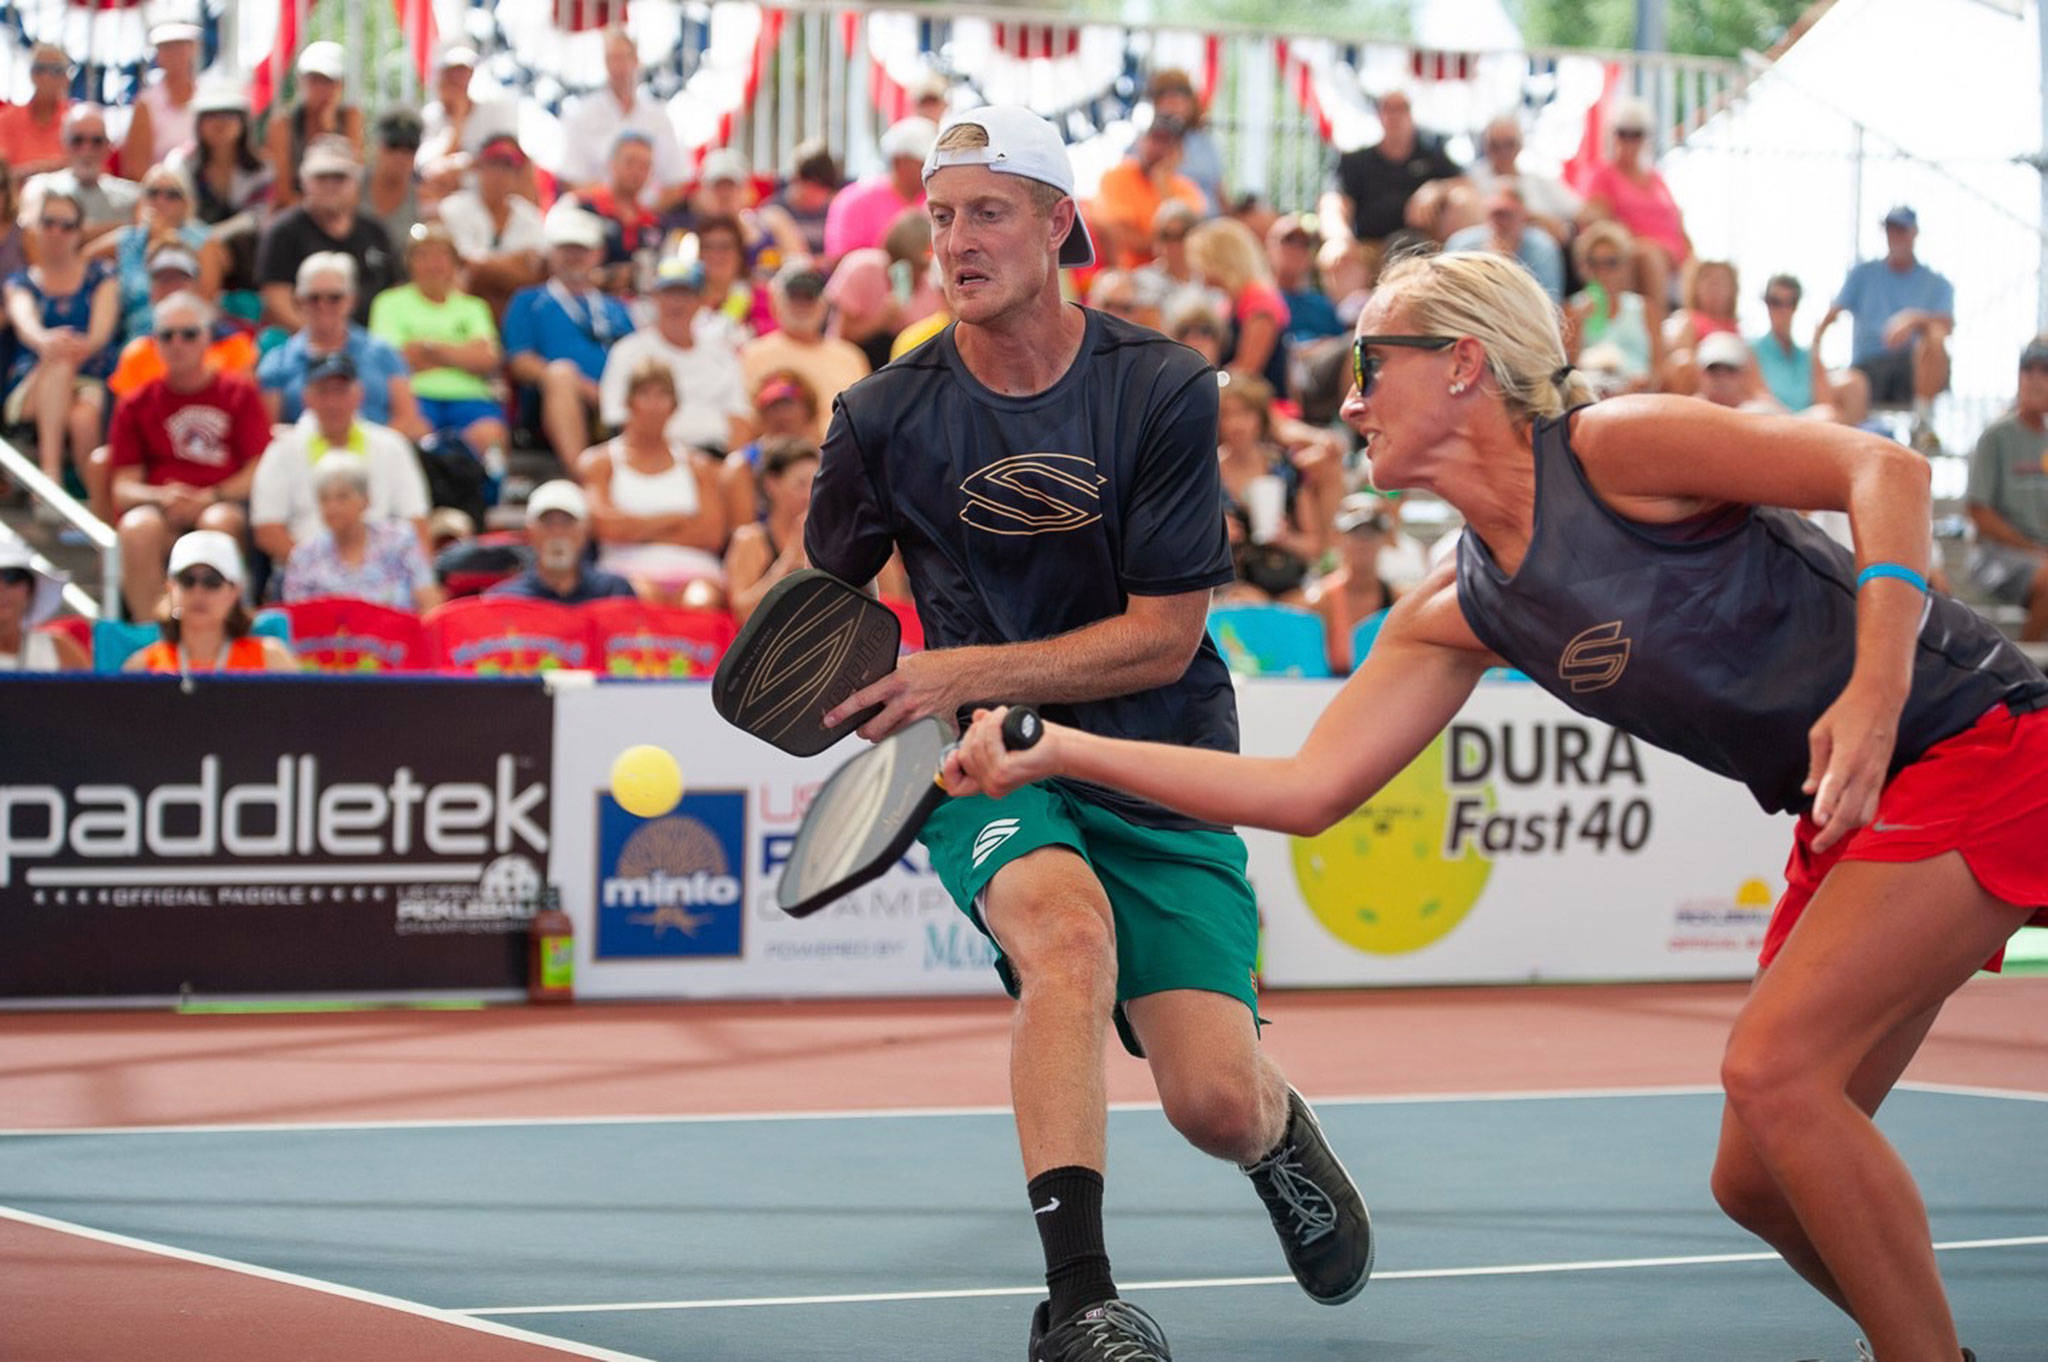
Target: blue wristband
x=1898 y=570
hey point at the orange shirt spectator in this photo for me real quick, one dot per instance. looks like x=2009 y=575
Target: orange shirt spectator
x=1133 y=188
x=232 y=351
x=32 y=134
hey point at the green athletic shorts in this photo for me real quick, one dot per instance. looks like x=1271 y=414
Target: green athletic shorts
x=1185 y=915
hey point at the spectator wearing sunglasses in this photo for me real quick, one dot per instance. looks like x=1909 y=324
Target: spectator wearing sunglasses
x=1552 y=206
x=230 y=350
x=330 y=220
x=183 y=450
x=1794 y=374
x=325 y=295
x=32 y=134
x=29 y=596
x=204 y=625
x=1607 y=323
x=108 y=200
x=64 y=310
x=228 y=177
x=165 y=220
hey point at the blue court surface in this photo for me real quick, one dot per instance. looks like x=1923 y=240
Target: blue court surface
x=1572 y=1226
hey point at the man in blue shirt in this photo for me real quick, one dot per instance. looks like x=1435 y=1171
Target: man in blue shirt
x=558 y=333
x=1904 y=312
x=558 y=530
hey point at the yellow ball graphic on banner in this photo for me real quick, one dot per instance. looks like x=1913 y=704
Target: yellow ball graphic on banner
x=1378 y=879
x=646 y=781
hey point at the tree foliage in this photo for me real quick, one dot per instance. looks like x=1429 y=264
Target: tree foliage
x=1706 y=28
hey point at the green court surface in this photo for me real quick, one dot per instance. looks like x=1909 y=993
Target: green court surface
x=1524 y=1227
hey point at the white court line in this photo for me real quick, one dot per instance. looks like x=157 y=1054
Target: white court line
x=1967 y=1090
x=853 y=1114
x=449 y=1317
x=1203 y=1283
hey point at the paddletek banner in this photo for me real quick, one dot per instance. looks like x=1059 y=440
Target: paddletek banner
x=288 y=835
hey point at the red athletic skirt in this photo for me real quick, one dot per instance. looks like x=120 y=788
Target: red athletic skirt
x=1983 y=793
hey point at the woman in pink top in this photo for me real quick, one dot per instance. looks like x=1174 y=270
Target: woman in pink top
x=1706 y=298
x=1628 y=189
x=1228 y=257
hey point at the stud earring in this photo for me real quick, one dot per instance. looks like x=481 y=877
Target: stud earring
x=1457 y=389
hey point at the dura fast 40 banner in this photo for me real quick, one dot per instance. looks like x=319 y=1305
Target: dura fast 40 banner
x=269 y=835
x=1526 y=842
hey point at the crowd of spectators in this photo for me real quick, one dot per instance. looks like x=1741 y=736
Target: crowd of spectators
x=302 y=335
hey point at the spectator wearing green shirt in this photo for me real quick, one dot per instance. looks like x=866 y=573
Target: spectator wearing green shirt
x=2008 y=498
x=448 y=338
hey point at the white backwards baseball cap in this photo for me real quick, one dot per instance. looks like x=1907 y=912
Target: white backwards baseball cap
x=1019 y=143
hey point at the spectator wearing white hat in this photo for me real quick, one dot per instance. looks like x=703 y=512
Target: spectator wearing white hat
x=182 y=449
x=204 y=625
x=558 y=534
x=558 y=333
x=228 y=176
x=322 y=110
x=330 y=220
x=455 y=124
x=32 y=134
x=861 y=213
x=591 y=125
x=30 y=594
x=724 y=192
x=163 y=116
x=109 y=200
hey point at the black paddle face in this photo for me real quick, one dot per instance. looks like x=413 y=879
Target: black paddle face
x=811 y=642
x=864 y=818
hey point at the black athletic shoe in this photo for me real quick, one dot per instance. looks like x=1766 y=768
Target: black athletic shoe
x=1324 y=1228
x=1114 y=1331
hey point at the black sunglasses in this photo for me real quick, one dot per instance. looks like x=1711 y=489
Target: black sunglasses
x=1365 y=368
x=1630 y=134
x=325 y=297
x=58 y=224
x=1779 y=300
x=48 y=68
x=86 y=139
x=198 y=579
x=179 y=333
x=164 y=191
x=16 y=576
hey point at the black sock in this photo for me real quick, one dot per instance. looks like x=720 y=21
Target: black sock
x=1066 y=1203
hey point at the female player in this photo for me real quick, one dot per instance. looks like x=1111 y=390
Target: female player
x=1632 y=557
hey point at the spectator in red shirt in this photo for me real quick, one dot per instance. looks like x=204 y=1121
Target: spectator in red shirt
x=1230 y=258
x=183 y=449
x=630 y=230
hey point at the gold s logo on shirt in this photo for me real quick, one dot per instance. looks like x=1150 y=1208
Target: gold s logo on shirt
x=1595 y=659
x=1033 y=494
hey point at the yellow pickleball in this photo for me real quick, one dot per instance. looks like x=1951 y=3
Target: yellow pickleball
x=646 y=781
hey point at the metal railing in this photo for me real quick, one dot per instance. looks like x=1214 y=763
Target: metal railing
x=41 y=488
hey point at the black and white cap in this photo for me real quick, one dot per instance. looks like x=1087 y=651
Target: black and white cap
x=1019 y=143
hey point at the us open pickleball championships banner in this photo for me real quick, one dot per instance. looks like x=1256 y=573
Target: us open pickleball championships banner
x=299 y=835
x=1526 y=842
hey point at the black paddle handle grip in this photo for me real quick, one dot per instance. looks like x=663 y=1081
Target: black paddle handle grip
x=1022 y=728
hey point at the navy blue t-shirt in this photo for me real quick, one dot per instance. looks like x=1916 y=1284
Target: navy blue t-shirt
x=592 y=584
x=1022 y=518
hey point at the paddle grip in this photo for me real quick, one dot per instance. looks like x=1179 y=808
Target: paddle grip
x=1022 y=728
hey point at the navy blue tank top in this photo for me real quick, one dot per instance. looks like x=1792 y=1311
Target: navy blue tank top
x=1722 y=640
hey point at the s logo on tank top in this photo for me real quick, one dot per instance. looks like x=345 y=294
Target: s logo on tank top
x=1028 y=494
x=1595 y=658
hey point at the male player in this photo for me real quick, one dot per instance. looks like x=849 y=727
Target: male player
x=1049 y=473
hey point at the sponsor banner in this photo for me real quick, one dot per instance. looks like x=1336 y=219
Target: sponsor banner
x=1526 y=842
x=301 y=835
x=684 y=905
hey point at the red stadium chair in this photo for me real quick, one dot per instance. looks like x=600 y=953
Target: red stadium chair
x=630 y=638
x=339 y=634
x=505 y=636
x=77 y=627
x=913 y=627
